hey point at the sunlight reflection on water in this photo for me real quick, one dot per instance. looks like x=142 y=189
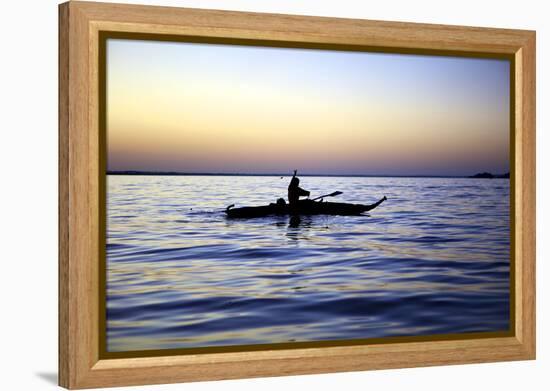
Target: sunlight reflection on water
x=432 y=259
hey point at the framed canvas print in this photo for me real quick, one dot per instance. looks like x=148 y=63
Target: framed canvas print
x=247 y=195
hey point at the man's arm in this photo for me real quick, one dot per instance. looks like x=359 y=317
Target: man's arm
x=302 y=192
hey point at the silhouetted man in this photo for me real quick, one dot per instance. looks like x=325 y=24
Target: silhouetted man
x=295 y=191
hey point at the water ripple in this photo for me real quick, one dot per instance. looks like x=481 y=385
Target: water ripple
x=433 y=259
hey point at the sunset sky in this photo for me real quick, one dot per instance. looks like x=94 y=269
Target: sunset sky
x=240 y=109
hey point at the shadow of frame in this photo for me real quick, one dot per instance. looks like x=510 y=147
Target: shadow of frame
x=49 y=377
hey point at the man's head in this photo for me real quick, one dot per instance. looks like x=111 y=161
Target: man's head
x=294 y=182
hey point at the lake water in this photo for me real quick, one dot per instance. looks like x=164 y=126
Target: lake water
x=432 y=259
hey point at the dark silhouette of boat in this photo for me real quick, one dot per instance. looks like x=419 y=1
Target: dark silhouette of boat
x=303 y=207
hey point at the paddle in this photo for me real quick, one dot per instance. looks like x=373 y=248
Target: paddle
x=328 y=195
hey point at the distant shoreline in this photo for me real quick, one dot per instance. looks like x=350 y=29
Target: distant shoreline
x=175 y=173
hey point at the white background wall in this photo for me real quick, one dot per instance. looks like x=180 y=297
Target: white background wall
x=28 y=124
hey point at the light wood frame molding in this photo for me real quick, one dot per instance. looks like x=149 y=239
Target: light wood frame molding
x=80 y=364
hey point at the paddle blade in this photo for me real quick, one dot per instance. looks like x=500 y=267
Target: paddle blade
x=328 y=195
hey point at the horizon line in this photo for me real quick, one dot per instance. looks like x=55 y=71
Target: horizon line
x=179 y=173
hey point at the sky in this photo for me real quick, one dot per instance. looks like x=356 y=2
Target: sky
x=209 y=108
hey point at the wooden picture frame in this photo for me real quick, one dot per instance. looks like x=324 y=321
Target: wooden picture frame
x=80 y=202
